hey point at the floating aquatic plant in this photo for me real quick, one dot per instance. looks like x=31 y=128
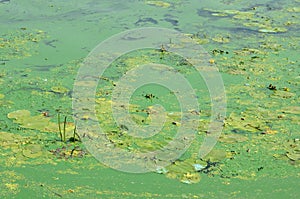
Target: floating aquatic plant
x=232 y=138
x=19 y=44
x=159 y=3
x=62 y=131
x=21 y=150
x=43 y=123
x=69 y=151
x=32 y=151
x=38 y=122
x=59 y=89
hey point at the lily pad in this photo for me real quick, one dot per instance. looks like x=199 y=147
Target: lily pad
x=159 y=3
x=248 y=121
x=59 y=89
x=272 y=30
x=19 y=44
x=295 y=155
x=198 y=167
x=233 y=138
x=19 y=114
x=9 y=139
x=291 y=109
x=140 y=119
x=184 y=171
x=219 y=14
x=282 y=94
x=244 y=15
x=190 y=178
x=161 y=170
x=32 y=151
x=38 y=122
x=216 y=155
x=294 y=9
x=221 y=39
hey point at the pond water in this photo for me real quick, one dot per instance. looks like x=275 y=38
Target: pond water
x=46 y=144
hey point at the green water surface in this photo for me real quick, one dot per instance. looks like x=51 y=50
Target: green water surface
x=255 y=46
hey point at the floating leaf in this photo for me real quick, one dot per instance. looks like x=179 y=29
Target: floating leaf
x=233 y=138
x=38 y=122
x=294 y=9
x=19 y=114
x=198 y=167
x=216 y=155
x=269 y=131
x=9 y=139
x=221 y=39
x=291 y=109
x=19 y=44
x=293 y=155
x=272 y=30
x=246 y=122
x=183 y=171
x=161 y=170
x=32 y=151
x=59 y=89
x=219 y=14
x=190 y=178
x=283 y=94
x=159 y=3
x=140 y=119
x=231 y=11
x=244 y=15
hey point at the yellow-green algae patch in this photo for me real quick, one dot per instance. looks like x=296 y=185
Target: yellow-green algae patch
x=256 y=18
x=21 y=150
x=4 y=102
x=232 y=138
x=59 y=89
x=162 y=4
x=19 y=44
x=37 y=122
x=9 y=185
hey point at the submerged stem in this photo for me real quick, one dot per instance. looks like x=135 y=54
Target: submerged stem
x=74 y=133
x=65 y=121
x=59 y=127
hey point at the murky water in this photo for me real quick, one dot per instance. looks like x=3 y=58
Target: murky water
x=253 y=44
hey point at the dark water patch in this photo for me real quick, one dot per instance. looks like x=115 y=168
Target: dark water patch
x=23 y=89
x=208 y=13
x=129 y=37
x=51 y=43
x=269 y=6
x=144 y=21
x=43 y=67
x=242 y=30
x=171 y=19
x=239 y=131
x=174 y=22
x=4 y=1
x=204 y=13
x=38 y=11
x=68 y=93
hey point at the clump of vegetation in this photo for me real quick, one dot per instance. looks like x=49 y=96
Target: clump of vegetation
x=62 y=131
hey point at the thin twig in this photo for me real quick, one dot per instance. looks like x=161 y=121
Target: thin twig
x=59 y=127
x=65 y=121
x=74 y=133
